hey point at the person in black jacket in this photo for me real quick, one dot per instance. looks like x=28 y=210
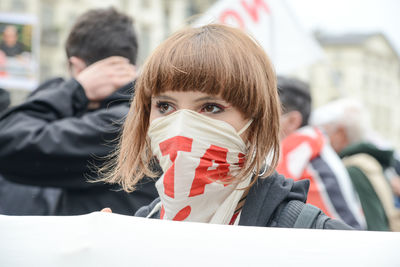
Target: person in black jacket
x=17 y=199
x=207 y=109
x=66 y=128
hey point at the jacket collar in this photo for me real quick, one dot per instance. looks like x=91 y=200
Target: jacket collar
x=267 y=194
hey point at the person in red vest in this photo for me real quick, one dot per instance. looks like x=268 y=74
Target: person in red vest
x=307 y=154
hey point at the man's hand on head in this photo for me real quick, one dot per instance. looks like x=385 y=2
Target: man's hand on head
x=104 y=77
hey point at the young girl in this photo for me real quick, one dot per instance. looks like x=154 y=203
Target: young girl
x=206 y=110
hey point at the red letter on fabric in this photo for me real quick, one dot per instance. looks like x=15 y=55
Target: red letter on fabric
x=182 y=214
x=205 y=176
x=253 y=9
x=171 y=147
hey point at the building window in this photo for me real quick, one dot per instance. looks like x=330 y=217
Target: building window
x=18 y=5
x=144 y=42
x=336 y=78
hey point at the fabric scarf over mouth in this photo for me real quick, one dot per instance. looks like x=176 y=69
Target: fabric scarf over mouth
x=198 y=156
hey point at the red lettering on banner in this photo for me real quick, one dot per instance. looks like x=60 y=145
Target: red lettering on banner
x=171 y=147
x=205 y=176
x=229 y=13
x=182 y=214
x=252 y=9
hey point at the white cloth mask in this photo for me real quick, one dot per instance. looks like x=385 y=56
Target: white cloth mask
x=195 y=151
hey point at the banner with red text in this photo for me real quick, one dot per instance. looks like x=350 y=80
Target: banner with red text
x=273 y=25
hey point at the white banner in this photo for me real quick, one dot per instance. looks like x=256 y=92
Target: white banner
x=272 y=24
x=105 y=239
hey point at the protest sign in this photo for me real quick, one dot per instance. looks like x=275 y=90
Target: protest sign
x=273 y=25
x=19 y=48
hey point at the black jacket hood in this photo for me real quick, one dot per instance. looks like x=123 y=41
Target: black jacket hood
x=267 y=194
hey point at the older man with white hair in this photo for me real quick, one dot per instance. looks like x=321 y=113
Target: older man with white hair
x=346 y=122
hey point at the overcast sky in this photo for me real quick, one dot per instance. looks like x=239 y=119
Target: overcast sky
x=350 y=16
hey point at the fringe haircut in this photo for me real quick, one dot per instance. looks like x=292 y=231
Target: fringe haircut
x=213 y=59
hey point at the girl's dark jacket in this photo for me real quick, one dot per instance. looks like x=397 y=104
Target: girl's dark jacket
x=266 y=198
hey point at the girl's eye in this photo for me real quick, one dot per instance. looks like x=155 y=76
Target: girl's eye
x=164 y=107
x=212 y=108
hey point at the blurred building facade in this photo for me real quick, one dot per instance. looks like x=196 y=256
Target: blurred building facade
x=365 y=67
x=154 y=21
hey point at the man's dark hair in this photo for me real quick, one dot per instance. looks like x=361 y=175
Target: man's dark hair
x=295 y=95
x=101 y=33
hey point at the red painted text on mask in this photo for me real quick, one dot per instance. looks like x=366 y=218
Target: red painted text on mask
x=203 y=174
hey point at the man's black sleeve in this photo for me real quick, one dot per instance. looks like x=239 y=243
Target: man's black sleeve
x=51 y=141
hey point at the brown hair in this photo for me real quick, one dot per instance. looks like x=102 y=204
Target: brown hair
x=213 y=59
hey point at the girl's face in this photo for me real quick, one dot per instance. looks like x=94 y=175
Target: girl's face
x=209 y=105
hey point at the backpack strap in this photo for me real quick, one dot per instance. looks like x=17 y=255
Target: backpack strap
x=307 y=216
x=297 y=214
x=322 y=218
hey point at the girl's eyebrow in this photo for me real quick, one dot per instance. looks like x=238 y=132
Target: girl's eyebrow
x=164 y=97
x=209 y=98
